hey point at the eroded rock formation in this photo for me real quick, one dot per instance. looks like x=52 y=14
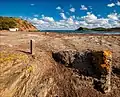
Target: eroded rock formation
x=90 y=63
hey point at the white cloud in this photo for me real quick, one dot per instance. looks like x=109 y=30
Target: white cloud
x=83 y=7
x=36 y=21
x=73 y=16
x=111 y=5
x=74 y=22
x=72 y=9
x=47 y=19
x=58 y=8
x=63 y=15
x=118 y=3
x=92 y=21
x=70 y=21
x=32 y=4
x=42 y=24
x=36 y=15
x=113 y=16
x=90 y=18
x=78 y=17
x=42 y=15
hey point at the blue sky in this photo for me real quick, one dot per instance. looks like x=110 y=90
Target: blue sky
x=64 y=13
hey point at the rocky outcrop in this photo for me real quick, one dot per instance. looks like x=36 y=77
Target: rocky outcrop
x=96 y=64
x=103 y=63
x=75 y=59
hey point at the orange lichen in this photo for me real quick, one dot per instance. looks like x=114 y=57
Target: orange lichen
x=106 y=61
x=106 y=66
x=107 y=53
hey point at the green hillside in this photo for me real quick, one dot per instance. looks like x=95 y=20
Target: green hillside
x=6 y=23
x=12 y=22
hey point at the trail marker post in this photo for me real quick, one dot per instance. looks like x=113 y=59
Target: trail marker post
x=32 y=47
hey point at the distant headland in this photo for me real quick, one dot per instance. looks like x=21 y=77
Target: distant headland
x=117 y=29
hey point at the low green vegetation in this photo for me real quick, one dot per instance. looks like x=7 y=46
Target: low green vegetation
x=7 y=22
x=81 y=28
x=93 y=29
x=98 y=29
x=12 y=57
x=34 y=30
x=14 y=22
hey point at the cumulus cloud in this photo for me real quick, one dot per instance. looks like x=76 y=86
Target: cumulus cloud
x=118 y=3
x=48 y=19
x=36 y=21
x=90 y=18
x=63 y=15
x=83 y=7
x=93 y=21
x=111 y=5
x=72 y=9
x=36 y=15
x=58 y=8
x=73 y=22
x=70 y=21
x=65 y=24
x=73 y=16
x=113 y=16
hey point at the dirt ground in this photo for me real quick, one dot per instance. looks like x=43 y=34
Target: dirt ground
x=39 y=75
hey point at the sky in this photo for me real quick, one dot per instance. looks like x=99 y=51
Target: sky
x=64 y=14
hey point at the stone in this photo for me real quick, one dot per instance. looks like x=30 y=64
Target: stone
x=102 y=61
x=89 y=63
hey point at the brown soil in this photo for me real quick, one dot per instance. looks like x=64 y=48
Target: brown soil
x=39 y=75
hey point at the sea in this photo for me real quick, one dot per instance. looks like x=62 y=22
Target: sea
x=82 y=32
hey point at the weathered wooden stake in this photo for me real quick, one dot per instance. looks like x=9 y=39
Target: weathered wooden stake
x=32 y=47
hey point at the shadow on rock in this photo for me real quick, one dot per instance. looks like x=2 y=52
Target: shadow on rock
x=82 y=61
x=116 y=71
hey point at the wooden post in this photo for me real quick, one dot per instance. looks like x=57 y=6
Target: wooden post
x=32 y=47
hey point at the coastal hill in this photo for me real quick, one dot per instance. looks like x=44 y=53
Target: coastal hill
x=13 y=22
x=99 y=29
